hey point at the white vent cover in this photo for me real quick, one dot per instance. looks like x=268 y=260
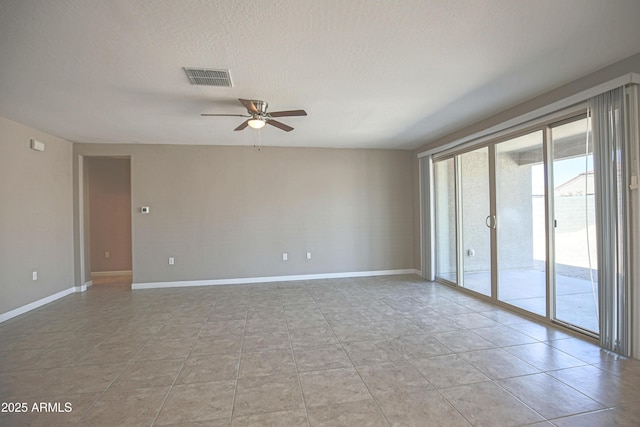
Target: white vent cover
x=209 y=77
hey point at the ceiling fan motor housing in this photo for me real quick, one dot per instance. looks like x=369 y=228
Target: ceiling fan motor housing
x=261 y=106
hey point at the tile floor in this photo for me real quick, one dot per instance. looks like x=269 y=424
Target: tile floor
x=351 y=352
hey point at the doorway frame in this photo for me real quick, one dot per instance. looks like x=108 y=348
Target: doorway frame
x=83 y=255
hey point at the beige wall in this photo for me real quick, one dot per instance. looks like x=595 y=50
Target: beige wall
x=109 y=213
x=230 y=212
x=36 y=217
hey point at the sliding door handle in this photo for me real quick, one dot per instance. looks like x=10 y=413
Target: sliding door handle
x=490 y=221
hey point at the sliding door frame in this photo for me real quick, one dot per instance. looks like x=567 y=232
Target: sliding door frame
x=457 y=188
x=545 y=126
x=550 y=267
x=493 y=213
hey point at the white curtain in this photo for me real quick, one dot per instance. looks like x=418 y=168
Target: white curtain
x=607 y=113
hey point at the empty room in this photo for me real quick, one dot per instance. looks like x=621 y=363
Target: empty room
x=319 y=213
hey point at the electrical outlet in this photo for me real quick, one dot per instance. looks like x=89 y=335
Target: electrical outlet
x=107 y=254
x=285 y=256
x=308 y=255
x=34 y=275
x=172 y=260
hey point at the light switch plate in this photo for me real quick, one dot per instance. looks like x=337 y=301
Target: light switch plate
x=37 y=145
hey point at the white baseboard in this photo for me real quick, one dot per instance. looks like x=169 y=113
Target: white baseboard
x=245 y=280
x=83 y=287
x=110 y=273
x=39 y=303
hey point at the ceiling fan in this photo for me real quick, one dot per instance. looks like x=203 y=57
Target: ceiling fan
x=258 y=115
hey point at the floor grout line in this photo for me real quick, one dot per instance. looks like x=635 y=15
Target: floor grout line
x=166 y=397
x=235 y=389
x=295 y=361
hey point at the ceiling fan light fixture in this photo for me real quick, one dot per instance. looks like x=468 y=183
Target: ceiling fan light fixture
x=256 y=123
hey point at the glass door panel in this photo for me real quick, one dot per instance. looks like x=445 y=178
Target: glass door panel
x=521 y=230
x=476 y=220
x=445 y=212
x=576 y=264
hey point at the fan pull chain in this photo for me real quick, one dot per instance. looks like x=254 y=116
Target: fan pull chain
x=258 y=137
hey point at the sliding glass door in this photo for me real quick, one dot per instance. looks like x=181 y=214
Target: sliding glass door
x=515 y=221
x=576 y=264
x=476 y=220
x=445 y=230
x=520 y=200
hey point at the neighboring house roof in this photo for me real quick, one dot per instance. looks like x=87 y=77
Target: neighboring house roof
x=576 y=186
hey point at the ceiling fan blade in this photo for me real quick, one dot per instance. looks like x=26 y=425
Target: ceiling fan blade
x=224 y=115
x=243 y=125
x=279 y=125
x=288 y=113
x=249 y=105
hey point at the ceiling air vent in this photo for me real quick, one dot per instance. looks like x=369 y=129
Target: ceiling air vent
x=209 y=77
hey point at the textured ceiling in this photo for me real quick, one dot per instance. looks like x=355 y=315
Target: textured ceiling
x=370 y=73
